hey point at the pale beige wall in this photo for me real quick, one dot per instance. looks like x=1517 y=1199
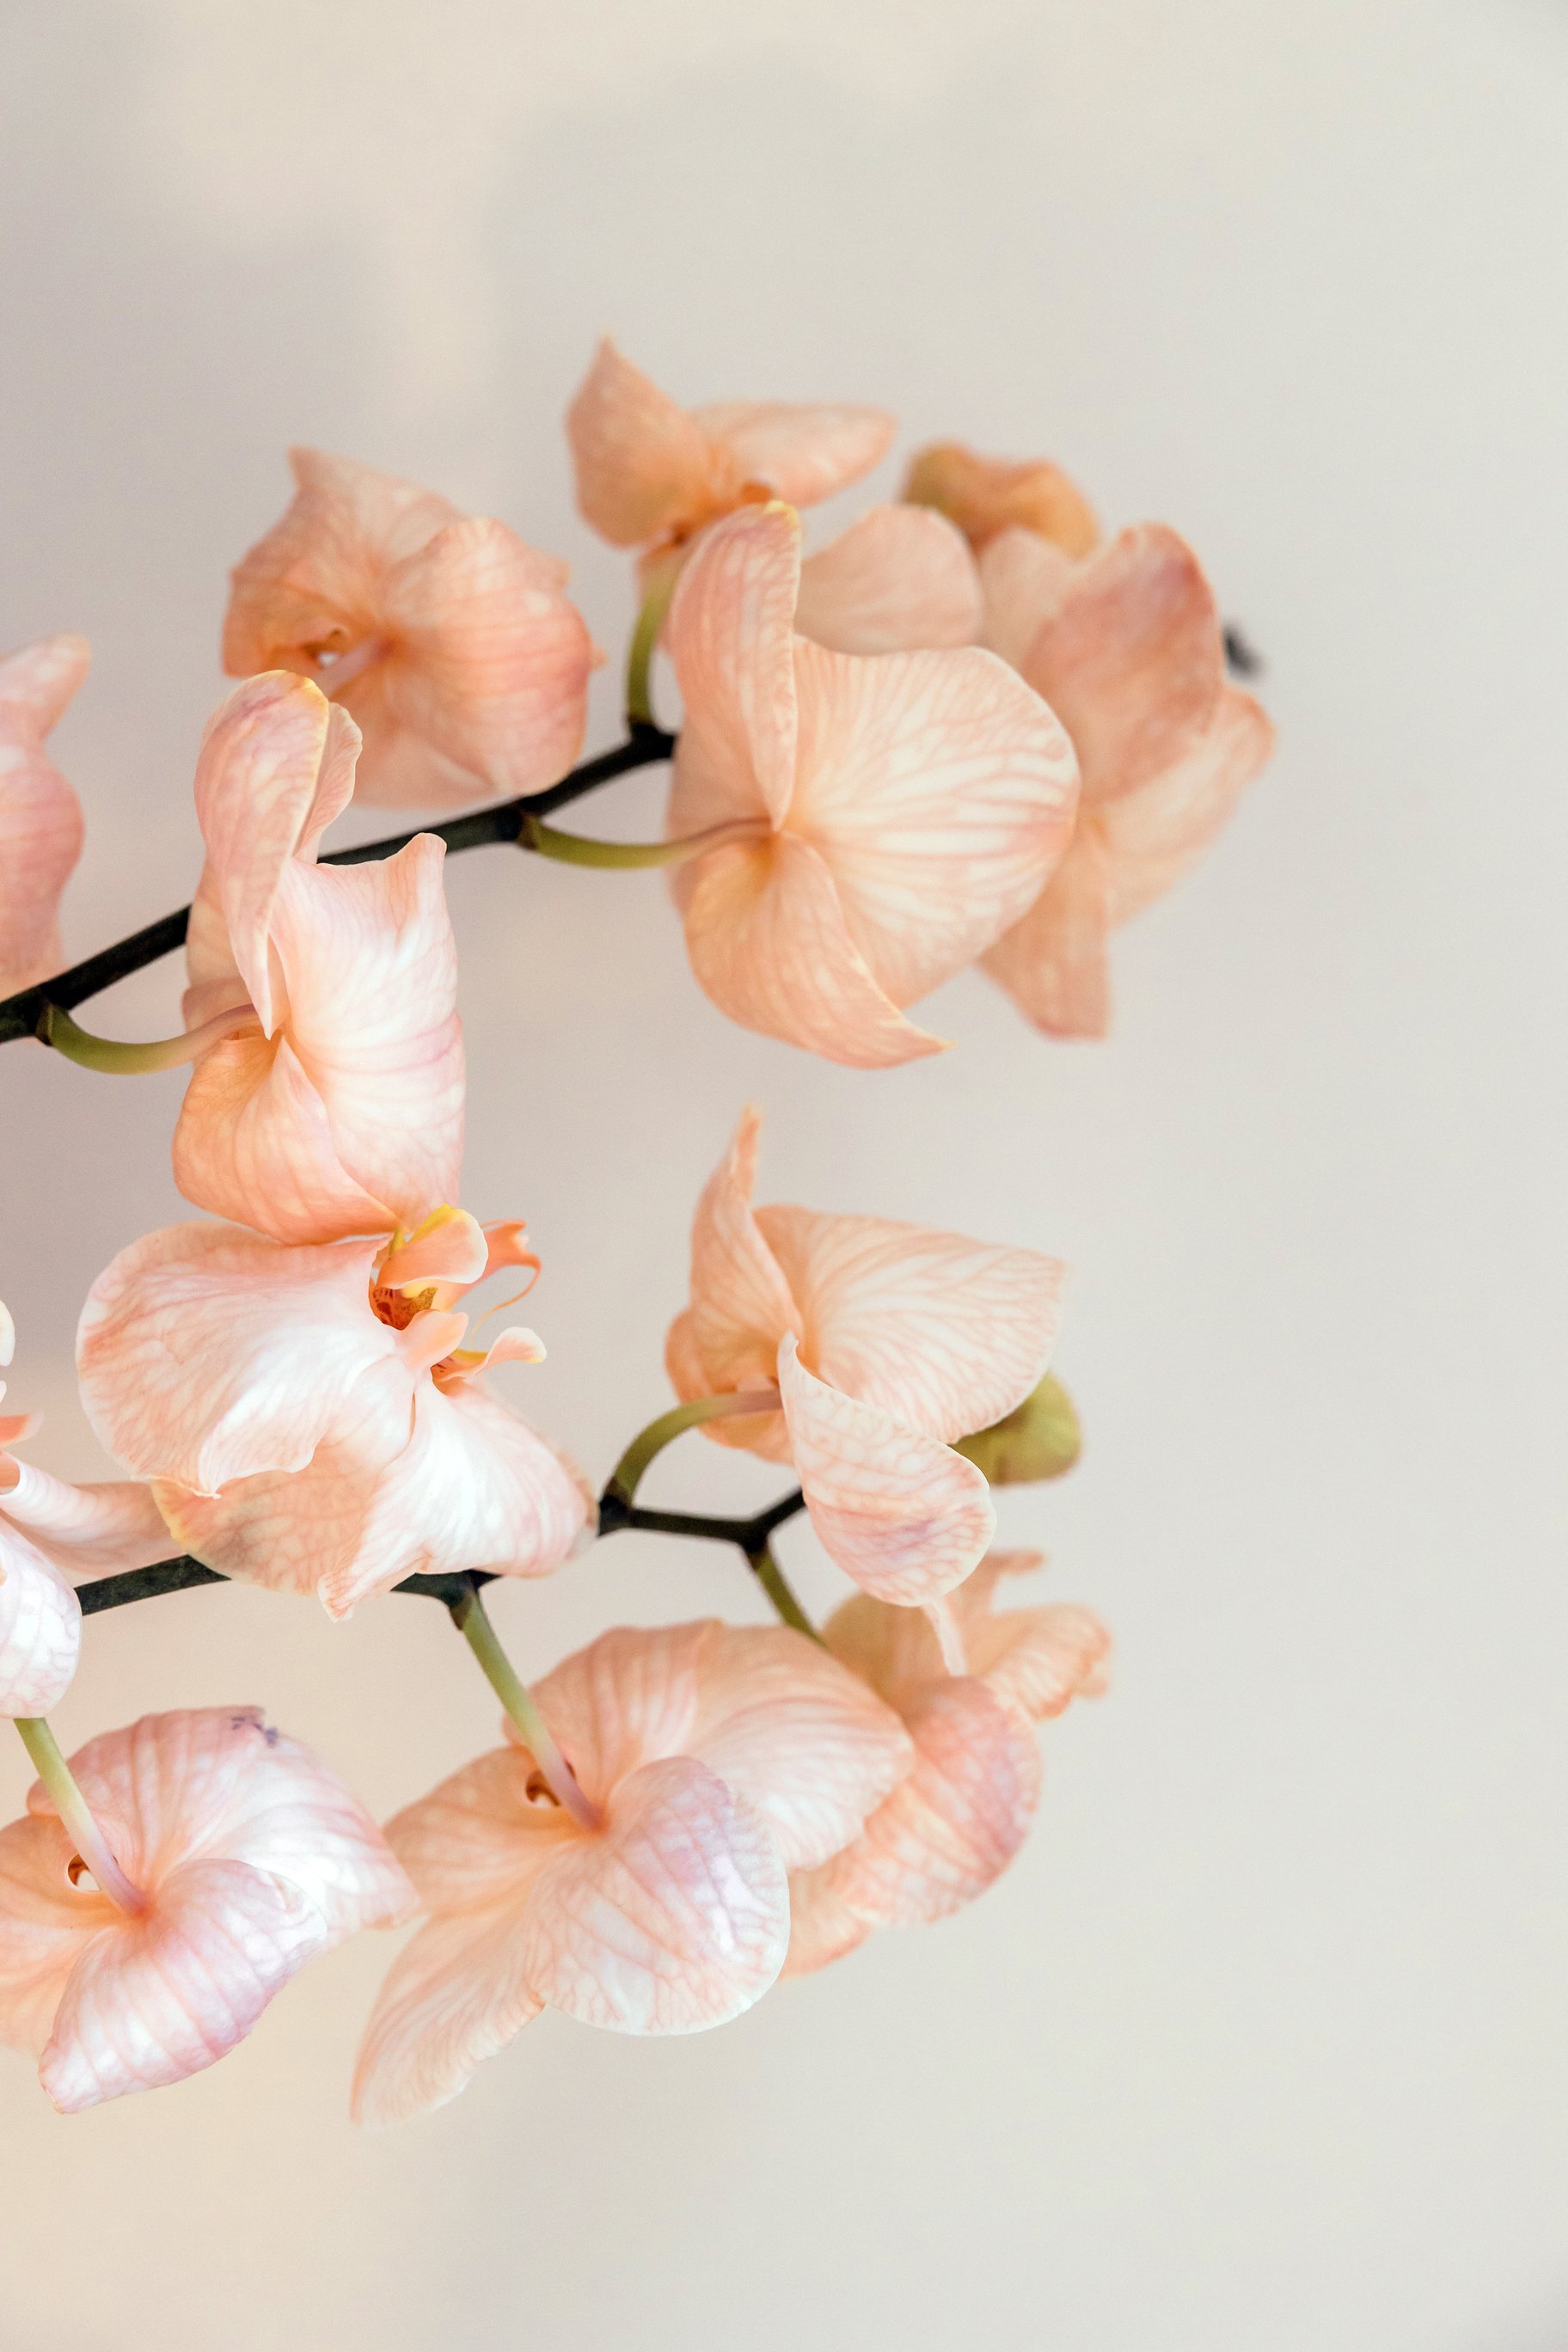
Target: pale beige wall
x=1262 y=2045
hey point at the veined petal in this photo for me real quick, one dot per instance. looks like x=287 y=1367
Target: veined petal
x=730 y=635
x=898 y=579
x=40 y=1628
x=823 y=1925
x=1039 y=1659
x=276 y=766
x=945 y=1334
x=476 y=1844
x=173 y=1992
x=766 y=933
x=487 y=671
x=628 y=1699
x=87 y=1531
x=206 y=1354
x=940 y=791
x=951 y=1827
x=40 y=816
x=457 y=1994
x=802 y=451
x=1053 y=963
x=254 y=1141
x=742 y=1305
x=1152 y=836
x=644 y=466
x=763 y=1433
x=906 y=1518
x=811 y=1749
x=44 y=1921
x=674 y=1918
x=1131 y=660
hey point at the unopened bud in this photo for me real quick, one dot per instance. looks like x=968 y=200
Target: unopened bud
x=1038 y=1439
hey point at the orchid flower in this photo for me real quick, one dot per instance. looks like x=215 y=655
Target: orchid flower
x=453 y=645
x=342 y=1110
x=1127 y=647
x=907 y=808
x=40 y=816
x=717 y=1759
x=244 y=1857
x=886 y=1342
x=952 y=1825
x=984 y=496
x=53 y=1536
x=651 y=474
x=310 y=1416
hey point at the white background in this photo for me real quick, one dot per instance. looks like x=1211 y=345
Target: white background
x=1261 y=2043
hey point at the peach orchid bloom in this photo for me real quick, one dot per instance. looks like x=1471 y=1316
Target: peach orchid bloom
x=53 y=1536
x=886 y=1342
x=454 y=644
x=717 y=1759
x=899 y=579
x=907 y=807
x=310 y=1416
x=245 y=1858
x=955 y=1823
x=40 y=816
x=651 y=474
x=985 y=496
x=341 y=1112
x=1128 y=650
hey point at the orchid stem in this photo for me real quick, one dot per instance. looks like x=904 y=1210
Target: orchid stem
x=661 y=581
x=577 y=849
x=57 y=1028
x=776 y=1585
x=76 y=1814
x=469 y=1617
x=628 y=1473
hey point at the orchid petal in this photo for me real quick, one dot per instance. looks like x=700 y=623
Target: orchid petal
x=742 y=1305
x=766 y=933
x=87 y=1531
x=1153 y=836
x=984 y=496
x=1053 y=963
x=943 y=1334
x=454 y=1997
x=899 y=578
x=802 y=451
x=675 y=1917
x=40 y=1628
x=1024 y=579
x=730 y=634
x=644 y=466
x=41 y=827
x=206 y=1354
x=448 y=1248
x=940 y=790
x=906 y=1518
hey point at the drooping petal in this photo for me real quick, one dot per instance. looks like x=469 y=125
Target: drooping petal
x=45 y=1919
x=945 y=1334
x=352 y=1122
x=955 y=1823
x=986 y=495
x=40 y=816
x=87 y=1531
x=766 y=933
x=823 y=1925
x=940 y=791
x=730 y=635
x=904 y=1515
x=206 y=1354
x=276 y=766
x=1131 y=660
x=811 y=1749
x=644 y=466
x=1053 y=963
x=742 y=1305
x=454 y=1997
x=484 y=685
x=1039 y=1659
x=674 y=1918
x=172 y=1993
x=40 y=1628
x=1152 y=836
x=802 y=451
x=899 y=578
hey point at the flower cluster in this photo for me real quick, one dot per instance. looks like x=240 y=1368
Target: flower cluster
x=963 y=731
